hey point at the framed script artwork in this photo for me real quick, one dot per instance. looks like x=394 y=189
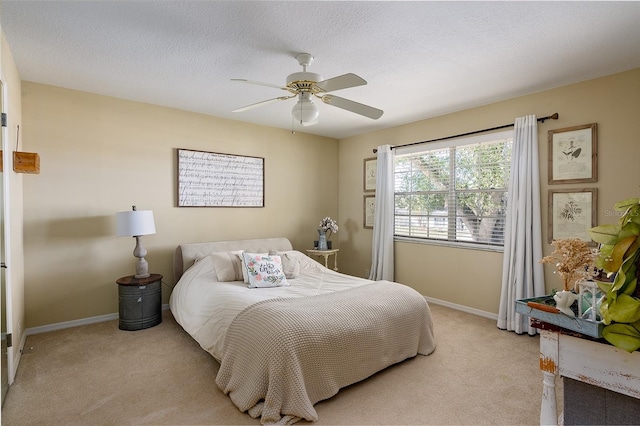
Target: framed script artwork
x=573 y=154
x=211 y=179
x=572 y=212
x=369 y=210
x=370 y=170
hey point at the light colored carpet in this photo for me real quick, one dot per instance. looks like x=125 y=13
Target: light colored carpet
x=100 y=375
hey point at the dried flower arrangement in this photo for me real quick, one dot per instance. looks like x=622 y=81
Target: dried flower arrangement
x=574 y=261
x=328 y=225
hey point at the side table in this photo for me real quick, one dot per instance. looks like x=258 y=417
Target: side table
x=139 y=302
x=592 y=362
x=326 y=254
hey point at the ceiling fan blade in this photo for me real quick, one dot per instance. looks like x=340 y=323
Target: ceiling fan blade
x=352 y=106
x=341 y=82
x=257 y=104
x=259 y=83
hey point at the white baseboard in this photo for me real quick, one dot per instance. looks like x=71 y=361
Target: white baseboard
x=114 y=316
x=75 y=323
x=462 y=308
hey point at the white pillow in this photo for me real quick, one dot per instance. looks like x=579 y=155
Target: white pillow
x=245 y=276
x=264 y=271
x=228 y=265
x=290 y=264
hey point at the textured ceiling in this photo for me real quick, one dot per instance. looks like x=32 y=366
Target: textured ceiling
x=421 y=59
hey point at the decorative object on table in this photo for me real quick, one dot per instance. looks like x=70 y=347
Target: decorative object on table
x=325 y=228
x=544 y=309
x=370 y=171
x=590 y=298
x=573 y=154
x=574 y=261
x=322 y=240
x=329 y=244
x=620 y=258
x=564 y=299
x=571 y=213
x=136 y=223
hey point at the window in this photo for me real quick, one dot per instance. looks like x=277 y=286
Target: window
x=454 y=191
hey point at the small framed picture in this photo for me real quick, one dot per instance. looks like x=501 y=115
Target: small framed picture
x=370 y=170
x=572 y=212
x=573 y=154
x=369 y=210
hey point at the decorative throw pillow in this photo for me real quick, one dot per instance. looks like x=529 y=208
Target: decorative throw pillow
x=245 y=276
x=290 y=264
x=264 y=271
x=228 y=265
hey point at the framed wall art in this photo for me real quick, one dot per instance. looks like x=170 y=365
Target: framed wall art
x=211 y=179
x=573 y=154
x=572 y=212
x=369 y=208
x=370 y=170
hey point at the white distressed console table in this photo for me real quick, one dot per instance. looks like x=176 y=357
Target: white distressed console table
x=585 y=360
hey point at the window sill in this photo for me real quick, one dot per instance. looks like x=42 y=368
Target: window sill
x=459 y=245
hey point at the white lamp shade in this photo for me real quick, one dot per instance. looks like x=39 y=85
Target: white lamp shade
x=135 y=223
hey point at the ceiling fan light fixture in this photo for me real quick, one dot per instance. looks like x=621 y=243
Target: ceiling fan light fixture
x=305 y=111
x=303 y=85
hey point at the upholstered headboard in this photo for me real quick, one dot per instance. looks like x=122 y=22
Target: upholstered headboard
x=186 y=254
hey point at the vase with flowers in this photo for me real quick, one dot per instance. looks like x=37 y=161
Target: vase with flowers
x=325 y=229
x=574 y=262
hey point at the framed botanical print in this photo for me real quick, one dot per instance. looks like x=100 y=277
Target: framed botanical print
x=573 y=154
x=369 y=210
x=572 y=212
x=370 y=170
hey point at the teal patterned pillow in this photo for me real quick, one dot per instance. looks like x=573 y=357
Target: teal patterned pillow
x=264 y=271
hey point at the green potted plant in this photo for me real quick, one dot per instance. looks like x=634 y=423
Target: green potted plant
x=619 y=257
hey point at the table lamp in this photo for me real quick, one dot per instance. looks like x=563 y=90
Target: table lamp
x=136 y=223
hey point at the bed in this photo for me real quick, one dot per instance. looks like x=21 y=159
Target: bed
x=296 y=341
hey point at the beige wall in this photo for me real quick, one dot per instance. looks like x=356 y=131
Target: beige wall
x=473 y=278
x=100 y=155
x=14 y=197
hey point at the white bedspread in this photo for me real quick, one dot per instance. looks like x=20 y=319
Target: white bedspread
x=205 y=307
x=281 y=350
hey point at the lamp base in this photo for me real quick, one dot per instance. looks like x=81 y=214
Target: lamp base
x=142 y=268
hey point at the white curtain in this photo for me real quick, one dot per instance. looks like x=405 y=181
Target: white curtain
x=382 y=244
x=522 y=274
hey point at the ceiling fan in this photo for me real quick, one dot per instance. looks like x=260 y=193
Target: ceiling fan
x=304 y=85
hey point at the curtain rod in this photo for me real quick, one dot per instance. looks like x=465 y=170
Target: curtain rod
x=541 y=119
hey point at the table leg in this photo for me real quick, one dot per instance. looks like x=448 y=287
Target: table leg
x=548 y=410
x=549 y=366
x=335 y=261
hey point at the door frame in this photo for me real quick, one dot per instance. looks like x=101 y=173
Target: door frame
x=5 y=254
